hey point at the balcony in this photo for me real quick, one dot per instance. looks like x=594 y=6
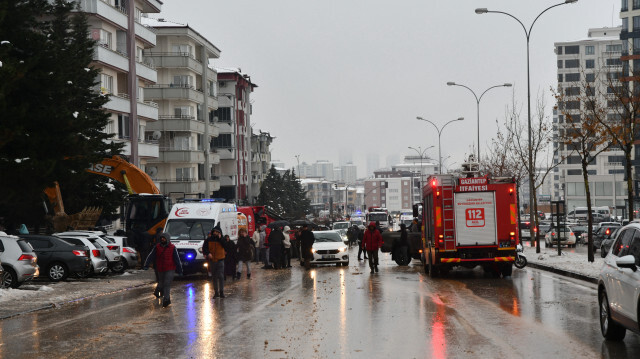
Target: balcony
x=173 y=92
x=227 y=153
x=227 y=180
x=146 y=34
x=187 y=186
x=174 y=60
x=112 y=58
x=214 y=158
x=179 y=123
x=114 y=15
x=145 y=149
x=146 y=72
x=148 y=110
x=118 y=103
x=173 y=155
x=213 y=130
x=151 y=6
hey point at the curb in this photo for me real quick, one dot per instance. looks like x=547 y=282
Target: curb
x=563 y=272
x=60 y=304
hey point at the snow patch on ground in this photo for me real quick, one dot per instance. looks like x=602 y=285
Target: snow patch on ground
x=571 y=262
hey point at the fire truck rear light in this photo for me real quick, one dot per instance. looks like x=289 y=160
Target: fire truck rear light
x=25 y=257
x=434 y=183
x=440 y=236
x=512 y=234
x=437 y=193
x=510 y=190
x=419 y=250
x=441 y=242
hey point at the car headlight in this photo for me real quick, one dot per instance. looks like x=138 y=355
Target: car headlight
x=342 y=249
x=313 y=250
x=200 y=249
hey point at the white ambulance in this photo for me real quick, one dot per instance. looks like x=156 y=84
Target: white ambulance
x=189 y=224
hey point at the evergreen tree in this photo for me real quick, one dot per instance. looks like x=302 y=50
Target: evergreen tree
x=271 y=191
x=53 y=121
x=284 y=194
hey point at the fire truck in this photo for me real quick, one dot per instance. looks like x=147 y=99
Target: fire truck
x=469 y=221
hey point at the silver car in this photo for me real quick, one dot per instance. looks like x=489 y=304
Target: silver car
x=131 y=257
x=19 y=261
x=98 y=257
x=115 y=261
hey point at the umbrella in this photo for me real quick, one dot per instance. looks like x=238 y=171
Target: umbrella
x=278 y=224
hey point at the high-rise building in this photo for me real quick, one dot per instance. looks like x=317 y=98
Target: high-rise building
x=349 y=173
x=324 y=169
x=594 y=60
x=188 y=165
x=260 y=162
x=373 y=163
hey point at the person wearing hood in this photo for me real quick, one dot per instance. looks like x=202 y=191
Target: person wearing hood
x=286 y=250
x=372 y=241
x=166 y=262
x=306 y=245
x=213 y=251
x=400 y=247
x=264 y=247
x=275 y=240
x=244 y=253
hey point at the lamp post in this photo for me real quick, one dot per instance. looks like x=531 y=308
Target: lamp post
x=439 y=136
x=421 y=153
x=298 y=159
x=531 y=169
x=478 y=99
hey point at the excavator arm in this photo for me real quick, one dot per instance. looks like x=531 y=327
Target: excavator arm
x=135 y=179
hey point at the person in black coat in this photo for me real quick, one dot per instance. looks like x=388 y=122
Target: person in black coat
x=275 y=240
x=400 y=247
x=230 y=258
x=306 y=244
x=360 y=248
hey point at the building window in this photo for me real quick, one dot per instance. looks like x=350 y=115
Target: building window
x=123 y=126
x=572 y=64
x=590 y=64
x=590 y=91
x=572 y=50
x=625 y=24
x=572 y=105
x=213 y=88
x=572 y=91
x=559 y=77
x=183 y=81
x=636 y=4
x=183 y=174
x=223 y=114
x=572 y=77
x=625 y=5
x=222 y=141
x=589 y=50
x=614 y=48
x=182 y=111
x=613 y=75
x=559 y=50
x=559 y=64
x=106 y=84
x=182 y=49
x=574 y=172
x=590 y=77
x=105 y=39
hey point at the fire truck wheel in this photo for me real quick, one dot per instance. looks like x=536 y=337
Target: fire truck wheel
x=433 y=271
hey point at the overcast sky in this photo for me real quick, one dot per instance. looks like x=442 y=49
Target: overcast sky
x=348 y=77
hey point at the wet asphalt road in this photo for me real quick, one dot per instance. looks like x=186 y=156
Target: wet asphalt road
x=330 y=312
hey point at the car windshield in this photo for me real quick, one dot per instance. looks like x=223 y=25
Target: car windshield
x=343 y=225
x=197 y=229
x=377 y=217
x=357 y=223
x=327 y=237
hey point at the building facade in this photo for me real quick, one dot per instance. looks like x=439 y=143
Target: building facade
x=260 y=162
x=186 y=93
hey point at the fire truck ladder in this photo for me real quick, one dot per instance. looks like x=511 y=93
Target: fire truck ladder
x=448 y=213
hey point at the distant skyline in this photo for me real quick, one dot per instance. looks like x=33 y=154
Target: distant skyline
x=338 y=78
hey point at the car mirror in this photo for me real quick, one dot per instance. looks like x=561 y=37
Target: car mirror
x=627 y=261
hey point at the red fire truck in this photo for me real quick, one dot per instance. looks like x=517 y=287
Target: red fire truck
x=469 y=221
x=258 y=216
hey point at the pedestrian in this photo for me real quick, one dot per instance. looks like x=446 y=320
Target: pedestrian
x=244 y=253
x=306 y=244
x=361 y=229
x=372 y=241
x=286 y=248
x=256 y=244
x=166 y=262
x=400 y=247
x=352 y=235
x=264 y=247
x=230 y=257
x=275 y=239
x=213 y=251
x=414 y=226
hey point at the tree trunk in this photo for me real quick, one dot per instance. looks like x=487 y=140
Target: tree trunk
x=585 y=176
x=630 y=194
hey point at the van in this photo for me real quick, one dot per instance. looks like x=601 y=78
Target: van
x=189 y=224
x=599 y=213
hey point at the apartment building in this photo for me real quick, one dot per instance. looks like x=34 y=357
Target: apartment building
x=234 y=142
x=186 y=94
x=260 y=162
x=122 y=38
x=594 y=60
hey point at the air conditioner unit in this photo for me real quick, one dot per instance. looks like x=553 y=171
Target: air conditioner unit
x=222 y=84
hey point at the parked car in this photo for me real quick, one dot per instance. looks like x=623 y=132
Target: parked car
x=329 y=248
x=98 y=257
x=131 y=257
x=608 y=242
x=113 y=250
x=19 y=261
x=600 y=234
x=578 y=231
x=567 y=237
x=618 y=290
x=525 y=231
x=58 y=257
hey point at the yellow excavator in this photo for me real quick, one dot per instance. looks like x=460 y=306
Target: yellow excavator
x=146 y=209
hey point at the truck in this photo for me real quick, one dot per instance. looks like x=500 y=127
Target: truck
x=469 y=221
x=189 y=224
x=258 y=216
x=377 y=214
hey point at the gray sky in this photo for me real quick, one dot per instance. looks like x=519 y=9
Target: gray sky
x=352 y=75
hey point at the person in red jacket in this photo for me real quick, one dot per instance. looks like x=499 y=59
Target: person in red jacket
x=166 y=262
x=372 y=241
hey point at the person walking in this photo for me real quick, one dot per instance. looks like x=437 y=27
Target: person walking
x=372 y=241
x=264 y=247
x=230 y=257
x=256 y=244
x=400 y=247
x=286 y=248
x=213 y=251
x=275 y=242
x=361 y=229
x=306 y=244
x=166 y=262
x=244 y=253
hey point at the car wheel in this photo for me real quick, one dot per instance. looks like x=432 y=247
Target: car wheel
x=610 y=329
x=118 y=267
x=57 y=272
x=9 y=279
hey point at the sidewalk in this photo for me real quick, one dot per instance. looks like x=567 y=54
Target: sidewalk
x=574 y=265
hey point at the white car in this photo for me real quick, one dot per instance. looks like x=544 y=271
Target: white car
x=97 y=253
x=329 y=248
x=618 y=289
x=567 y=237
x=113 y=248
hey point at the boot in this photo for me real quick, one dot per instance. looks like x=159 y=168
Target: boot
x=216 y=295
x=165 y=303
x=376 y=269
x=249 y=276
x=221 y=294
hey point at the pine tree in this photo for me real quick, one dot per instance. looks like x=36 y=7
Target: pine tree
x=284 y=194
x=53 y=121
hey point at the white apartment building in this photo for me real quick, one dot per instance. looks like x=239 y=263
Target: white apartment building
x=260 y=161
x=122 y=38
x=186 y=94
x=324 y=169
x=349 y=173
x=594 y=60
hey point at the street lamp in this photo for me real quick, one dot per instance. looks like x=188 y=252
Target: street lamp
x=298 y=159
x=527 y=34
x=421 y=153
x=478 y=104
x=439 y=135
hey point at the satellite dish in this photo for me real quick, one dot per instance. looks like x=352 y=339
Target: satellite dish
x=156 y=135
x=152 y=172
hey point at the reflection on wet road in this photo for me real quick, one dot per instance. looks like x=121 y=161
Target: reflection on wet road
x=330 y=312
